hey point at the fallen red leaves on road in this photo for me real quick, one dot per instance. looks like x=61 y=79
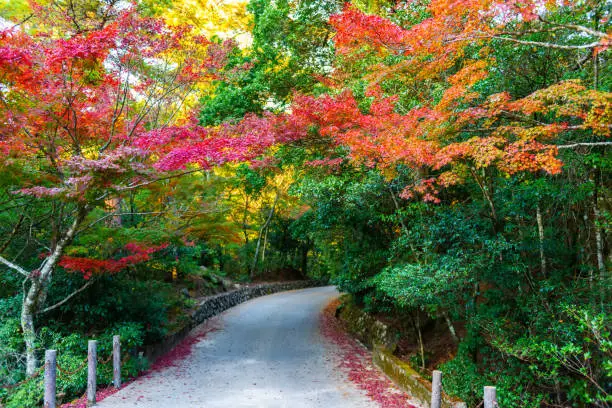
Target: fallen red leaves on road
x=171 y=359
x=100 y=395
x=356 y=361
x=183 y=350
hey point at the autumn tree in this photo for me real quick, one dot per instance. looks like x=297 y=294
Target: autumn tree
x=76 y=113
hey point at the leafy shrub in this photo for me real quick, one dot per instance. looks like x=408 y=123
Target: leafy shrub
x=117 y=299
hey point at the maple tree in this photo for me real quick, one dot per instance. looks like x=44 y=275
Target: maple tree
x=510 y=137
x=78 y=113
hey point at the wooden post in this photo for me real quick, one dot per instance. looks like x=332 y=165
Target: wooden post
x=50 y=378
x=490 y=397
x=116 y=361
x=92 y=365
x=436 y=389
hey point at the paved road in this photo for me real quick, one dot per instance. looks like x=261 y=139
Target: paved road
x=268 y=354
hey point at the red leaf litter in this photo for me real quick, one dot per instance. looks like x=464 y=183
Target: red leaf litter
x=183 y=350
x=171 y=359
x=100 y=395
x=356 y=361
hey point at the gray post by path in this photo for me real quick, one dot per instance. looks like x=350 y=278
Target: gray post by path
x=92 y=365
x=436 y=389
x=116 y=361
x=50 y=378
x=490 y=397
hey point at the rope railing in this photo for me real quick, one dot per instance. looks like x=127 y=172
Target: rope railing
x=36 y=374
x=68 y=373
x=104 y=362
x=51 y=369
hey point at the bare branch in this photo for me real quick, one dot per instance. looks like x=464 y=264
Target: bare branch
x=91 y=224
x=14 y=267
x=592 y=144
x=25 y=20
x=67 y=298
x=576 y=27
x=13 y=233
x=548 y=44
x=146 y=183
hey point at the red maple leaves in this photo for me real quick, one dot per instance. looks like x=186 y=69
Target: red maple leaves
x=357 y=363
x=88 y=266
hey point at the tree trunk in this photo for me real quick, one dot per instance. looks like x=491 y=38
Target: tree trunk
x=244 y=221
x=36 y=295
x=27 y=326
x=256 y=257
x=585 y=248
x=265 y=245
x=451 y=328
x=601 y=265
x=541 y=238
x=486 y=192
x=417 y=325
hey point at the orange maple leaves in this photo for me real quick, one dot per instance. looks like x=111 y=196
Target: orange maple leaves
x=460 y=127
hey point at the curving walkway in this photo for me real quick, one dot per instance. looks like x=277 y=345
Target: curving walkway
x=268 y=354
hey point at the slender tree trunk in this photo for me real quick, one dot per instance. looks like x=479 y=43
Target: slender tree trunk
x=596 y=18
x=486 y=192
x=256 y=257
x=541 y=238
x=451 y=328
x=244 y=220
x=265 y=245
x=420 y=338
x=397 y=209
x=601 y=265
x=586 y=251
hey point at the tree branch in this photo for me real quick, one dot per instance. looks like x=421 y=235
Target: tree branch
x=576 y=27
x=146 y=183
x=67 y=298
x=25 y=20
x=14 y=266
x=592 y=144
x=91 y=224
x=13 y=233
x=548 y=44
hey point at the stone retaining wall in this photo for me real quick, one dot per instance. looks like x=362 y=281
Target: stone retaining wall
x=409 y=380
x=383 y=340
x=214 y=305
x=365 y=327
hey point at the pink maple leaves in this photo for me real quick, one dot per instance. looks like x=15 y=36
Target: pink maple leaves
x=178 y=147
x=92 y=47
